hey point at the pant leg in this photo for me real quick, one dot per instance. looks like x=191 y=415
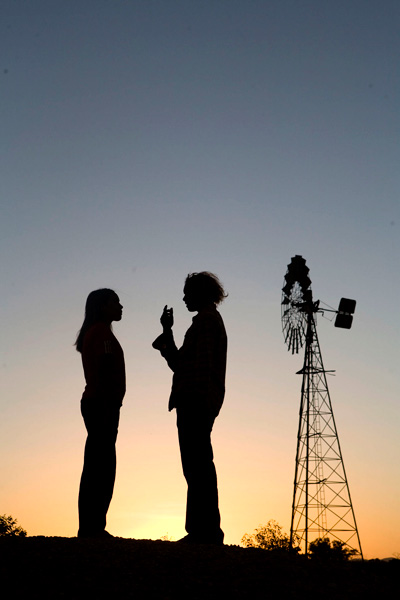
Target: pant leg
x=98 y=475
x=202 y=511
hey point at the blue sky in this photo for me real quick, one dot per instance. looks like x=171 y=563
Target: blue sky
x=142 y=140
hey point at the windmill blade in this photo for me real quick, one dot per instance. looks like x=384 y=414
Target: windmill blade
x=290 y=339
x=296 y=296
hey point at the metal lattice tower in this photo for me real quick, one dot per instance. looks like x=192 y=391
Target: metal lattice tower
x=322 y=506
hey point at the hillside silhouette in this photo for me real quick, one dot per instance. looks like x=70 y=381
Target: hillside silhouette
x=72 y=568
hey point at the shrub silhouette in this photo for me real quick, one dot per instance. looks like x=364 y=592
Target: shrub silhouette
x=9 y=527
x=323 y=549
x=269 y=537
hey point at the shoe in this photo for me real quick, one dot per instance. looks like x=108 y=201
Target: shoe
x=105 y=534
x=188 y=539
x=215 y=540
x=98 y=535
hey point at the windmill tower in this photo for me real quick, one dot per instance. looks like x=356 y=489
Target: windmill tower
x=322 y=506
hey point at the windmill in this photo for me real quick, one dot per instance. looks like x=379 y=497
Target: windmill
x=322 y=506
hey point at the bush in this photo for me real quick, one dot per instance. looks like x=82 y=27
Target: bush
x=269 y=537
x=9 y=527
x=323 y=549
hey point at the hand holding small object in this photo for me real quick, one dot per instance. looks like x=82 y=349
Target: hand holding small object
x=167 y=318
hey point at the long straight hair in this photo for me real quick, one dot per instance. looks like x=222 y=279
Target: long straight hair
x=95 y=304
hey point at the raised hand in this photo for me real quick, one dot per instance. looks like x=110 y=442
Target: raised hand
x=167 y=318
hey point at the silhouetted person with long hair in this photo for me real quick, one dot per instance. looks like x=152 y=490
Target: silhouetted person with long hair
x=198 y=390
x=104 y=369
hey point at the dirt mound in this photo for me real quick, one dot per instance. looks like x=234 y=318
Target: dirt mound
x=71 y=568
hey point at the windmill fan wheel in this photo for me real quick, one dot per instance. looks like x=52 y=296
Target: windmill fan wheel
x=296 y=298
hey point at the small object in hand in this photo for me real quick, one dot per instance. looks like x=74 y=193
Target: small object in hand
x=167 y=318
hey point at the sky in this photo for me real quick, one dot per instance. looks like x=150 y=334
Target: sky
x=142 y=140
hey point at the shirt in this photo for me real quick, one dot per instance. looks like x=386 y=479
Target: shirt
x=200 y=364
x=103 y=365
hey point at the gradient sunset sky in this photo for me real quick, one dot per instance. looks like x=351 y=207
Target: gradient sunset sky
x=146 y=139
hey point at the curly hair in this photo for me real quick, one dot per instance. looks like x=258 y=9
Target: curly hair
x=207 y=285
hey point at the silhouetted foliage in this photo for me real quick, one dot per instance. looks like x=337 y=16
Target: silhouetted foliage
x=9 y=527
x=269 y=537
x=323 y=549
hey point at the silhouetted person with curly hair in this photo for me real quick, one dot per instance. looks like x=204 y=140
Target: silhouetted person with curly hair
x=104 y=370
x=198 y=390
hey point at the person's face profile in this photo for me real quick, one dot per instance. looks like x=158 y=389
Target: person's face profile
x=190 y=298
x=112 y=310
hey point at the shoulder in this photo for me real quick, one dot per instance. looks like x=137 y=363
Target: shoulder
x=96 y=336
x=98 y=330
x=210 y=318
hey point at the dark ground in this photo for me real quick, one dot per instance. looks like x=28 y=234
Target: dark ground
x=71 y=568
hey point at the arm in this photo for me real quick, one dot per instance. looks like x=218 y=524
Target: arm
x=103 y=363
x=111 y=377
x=204 y=358
x=208 y=382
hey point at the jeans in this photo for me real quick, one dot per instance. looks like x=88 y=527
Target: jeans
x=202 y=511
x=98 y=475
